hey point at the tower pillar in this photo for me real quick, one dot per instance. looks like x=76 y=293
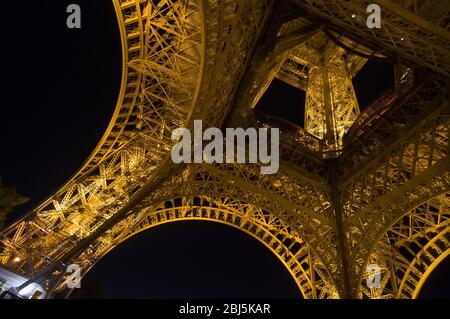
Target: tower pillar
x=331 y=106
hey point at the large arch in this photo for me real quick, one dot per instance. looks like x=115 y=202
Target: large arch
x=302 y=263
x=294 y=229
x=410 y=249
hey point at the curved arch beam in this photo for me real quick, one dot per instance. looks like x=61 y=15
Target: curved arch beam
x=411 y=249
x=281 y=239
x=170 y=78
x=383 y=180
x=239 y=181
x=132 y=148
x=295 y=201
x=427 y=273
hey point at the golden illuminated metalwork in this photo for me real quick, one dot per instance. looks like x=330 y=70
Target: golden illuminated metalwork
x=353 y=188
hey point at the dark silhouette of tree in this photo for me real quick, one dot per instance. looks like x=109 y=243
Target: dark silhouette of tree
x=8 y=200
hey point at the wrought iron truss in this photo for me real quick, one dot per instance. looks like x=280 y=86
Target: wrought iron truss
x=353 y=188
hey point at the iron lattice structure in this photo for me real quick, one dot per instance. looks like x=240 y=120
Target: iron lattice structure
x=353 y=188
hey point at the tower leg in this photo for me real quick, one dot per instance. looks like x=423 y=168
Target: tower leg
x=331 y=105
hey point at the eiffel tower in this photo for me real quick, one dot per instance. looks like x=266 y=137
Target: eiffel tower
x=354 y=189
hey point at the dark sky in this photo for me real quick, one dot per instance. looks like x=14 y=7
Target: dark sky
x=59 y=89
x=192 y=259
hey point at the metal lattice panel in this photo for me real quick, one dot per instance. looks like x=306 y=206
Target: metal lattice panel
x=411 y=249
x=382 y=198
x=405 y=31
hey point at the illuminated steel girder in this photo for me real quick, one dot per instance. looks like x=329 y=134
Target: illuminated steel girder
x=331 y=106
x=381 y=198
x=413 y=31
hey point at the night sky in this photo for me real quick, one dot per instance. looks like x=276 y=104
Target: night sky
x=59 y=90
